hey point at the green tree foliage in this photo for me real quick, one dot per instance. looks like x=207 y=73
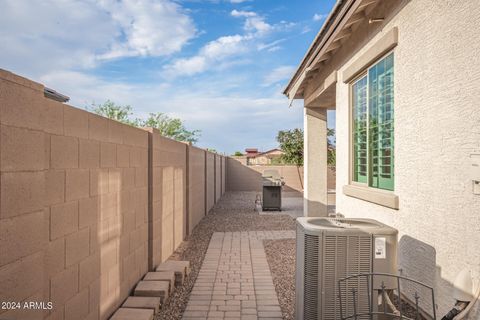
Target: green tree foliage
x=331 y=151
x=110 y=110
x=168 y=127
x=291 y=142
x=171 y=127
x=238 y=154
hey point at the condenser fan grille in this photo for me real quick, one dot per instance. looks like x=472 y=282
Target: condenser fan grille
x=345 y=256
x=311 y=278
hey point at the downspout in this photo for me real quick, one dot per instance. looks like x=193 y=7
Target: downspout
x=464 y=295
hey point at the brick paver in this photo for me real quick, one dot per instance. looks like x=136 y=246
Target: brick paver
x=235 y=280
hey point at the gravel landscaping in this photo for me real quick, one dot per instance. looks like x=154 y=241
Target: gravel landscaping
x=281 y=259
x=234 y=212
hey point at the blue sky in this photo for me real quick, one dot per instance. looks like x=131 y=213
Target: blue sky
x=218 y=65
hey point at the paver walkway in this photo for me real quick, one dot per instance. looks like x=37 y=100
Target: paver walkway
x=234 y=281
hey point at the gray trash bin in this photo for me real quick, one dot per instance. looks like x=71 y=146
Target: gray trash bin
x=272 y=190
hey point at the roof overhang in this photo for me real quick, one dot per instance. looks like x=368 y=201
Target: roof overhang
x=324 y=95
x=338 y=27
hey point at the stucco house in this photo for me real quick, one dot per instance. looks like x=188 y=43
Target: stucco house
x=404 y=80
x=254 y=157
x=266 y=157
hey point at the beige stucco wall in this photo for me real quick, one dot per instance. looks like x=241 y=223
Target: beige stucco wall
x=196 y=186
x=78 y=196
x=437 y=127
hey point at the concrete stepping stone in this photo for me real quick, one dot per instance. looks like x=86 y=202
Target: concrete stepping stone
x=132 y=314
x=181 y=269
x=162 y=276
x=143 y=303
x=152 y=289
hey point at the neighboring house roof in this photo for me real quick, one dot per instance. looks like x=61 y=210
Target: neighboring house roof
x=339 y=25
x=269 y=151
x=251 y=152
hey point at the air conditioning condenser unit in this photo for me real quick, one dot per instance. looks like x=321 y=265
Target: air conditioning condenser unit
x=330 y=249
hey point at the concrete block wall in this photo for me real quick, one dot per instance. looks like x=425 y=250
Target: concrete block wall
x=196 y=187
x=210 y=182
x=241 y=177
x=218 y=177
x=87 y=204
x=224 y=175
x=169 y=165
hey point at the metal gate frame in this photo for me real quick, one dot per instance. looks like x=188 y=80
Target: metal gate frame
x=370 y=278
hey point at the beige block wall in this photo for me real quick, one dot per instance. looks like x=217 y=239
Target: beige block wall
x=210 y=182
x=196 y=204
x=218 y=177
x=224 y=175
x=73 y=222
x=437 y=127
x=76 y=190
x=241 y=177
x=169 y=195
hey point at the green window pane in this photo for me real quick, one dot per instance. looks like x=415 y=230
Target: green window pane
x=380 y=135
x=360 y=142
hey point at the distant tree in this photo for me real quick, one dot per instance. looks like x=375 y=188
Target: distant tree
x=212 y=150
x=331 y=147
x=291 y=142
x=111 y=110
x=238 y=154
x=170 y=127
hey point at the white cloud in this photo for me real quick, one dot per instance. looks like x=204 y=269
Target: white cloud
x=151 y=27
x=38 y=36
x=253 y=22
x=257 y=24
x=224 y=46
x=273 y=44
x=239 y=1
x=215 y=54
x=239 y=13
x=319 y=16
x=274 y=48
x=209 y=56
x=278 y=74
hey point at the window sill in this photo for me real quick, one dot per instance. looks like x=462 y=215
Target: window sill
x=382 y=197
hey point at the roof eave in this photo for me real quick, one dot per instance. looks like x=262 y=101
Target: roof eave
x=324 y=30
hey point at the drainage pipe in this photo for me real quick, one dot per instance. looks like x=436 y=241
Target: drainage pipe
x=464 y=294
